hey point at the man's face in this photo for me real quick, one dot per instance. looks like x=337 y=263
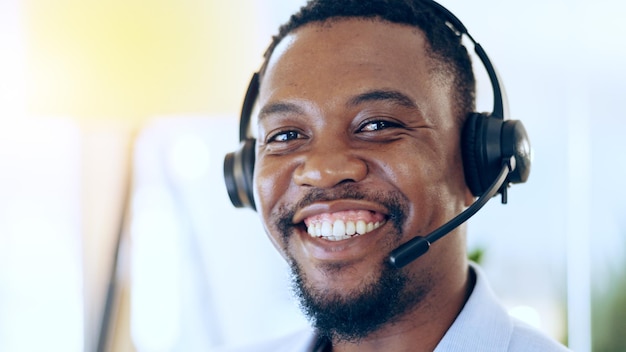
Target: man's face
x=358 y=152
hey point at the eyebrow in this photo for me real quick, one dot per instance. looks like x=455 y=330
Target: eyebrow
x=382 y=95
x=392 y=96
x=279 y=107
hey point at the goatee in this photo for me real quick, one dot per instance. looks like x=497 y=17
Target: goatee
x=390 y=293
x=351 y=316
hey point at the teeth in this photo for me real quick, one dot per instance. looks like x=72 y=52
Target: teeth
x=340 y=230
x=350 y=228
x=327 y=229
x=361 y=227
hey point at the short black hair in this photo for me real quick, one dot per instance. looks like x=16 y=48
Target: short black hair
x=445 y=45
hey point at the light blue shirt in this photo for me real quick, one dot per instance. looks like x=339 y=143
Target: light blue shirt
x=483 y=325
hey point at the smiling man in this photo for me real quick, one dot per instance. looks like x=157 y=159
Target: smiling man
x=362 y=105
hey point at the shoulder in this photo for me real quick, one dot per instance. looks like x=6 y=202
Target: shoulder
x=484 y=325
x=300 y=341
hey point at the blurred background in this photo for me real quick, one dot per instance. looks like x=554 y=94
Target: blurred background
x=116 y=233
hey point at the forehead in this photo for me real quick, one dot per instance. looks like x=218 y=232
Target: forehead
x=349 y=52
x=363 y=34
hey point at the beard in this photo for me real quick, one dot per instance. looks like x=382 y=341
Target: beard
x=351 y=316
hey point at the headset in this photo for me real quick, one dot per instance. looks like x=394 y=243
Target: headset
x=495 y=150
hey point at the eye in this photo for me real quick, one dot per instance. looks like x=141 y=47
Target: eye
x=284 y=136
x=377 y=125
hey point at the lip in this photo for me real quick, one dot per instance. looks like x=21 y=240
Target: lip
x=336 y=206
x=349 y=250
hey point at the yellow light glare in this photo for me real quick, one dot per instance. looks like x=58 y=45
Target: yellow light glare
x=136 y=59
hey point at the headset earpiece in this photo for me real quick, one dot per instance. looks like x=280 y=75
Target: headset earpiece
x=239 y=165
x=485 y=142
x=515 y=143
x=471 y=154
x=238 y=171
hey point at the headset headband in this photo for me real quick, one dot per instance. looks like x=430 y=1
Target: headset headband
x=500 y=105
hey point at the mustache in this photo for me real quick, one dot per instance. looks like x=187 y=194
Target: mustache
x=347 y=191
x=394 y=202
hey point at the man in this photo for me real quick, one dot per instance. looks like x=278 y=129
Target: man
x=358 y=150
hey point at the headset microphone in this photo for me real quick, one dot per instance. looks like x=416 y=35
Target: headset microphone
x=419 y=245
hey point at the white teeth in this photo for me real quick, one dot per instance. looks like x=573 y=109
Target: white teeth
x=340 y=230
x=361 y=227
x=327 y=229
x=350 y=228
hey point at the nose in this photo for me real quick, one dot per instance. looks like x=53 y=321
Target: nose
x=329 y=166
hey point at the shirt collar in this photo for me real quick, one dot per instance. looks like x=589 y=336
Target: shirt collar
x=482 y=321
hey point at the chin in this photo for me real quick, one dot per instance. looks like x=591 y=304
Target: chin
x=345 y=302
x=344 y=277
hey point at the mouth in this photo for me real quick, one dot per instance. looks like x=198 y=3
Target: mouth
x=343 y=225
x=340 y=225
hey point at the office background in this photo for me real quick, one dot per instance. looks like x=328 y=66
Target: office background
x=114 y=119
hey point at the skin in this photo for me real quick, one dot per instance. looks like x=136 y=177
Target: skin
x=321 y=129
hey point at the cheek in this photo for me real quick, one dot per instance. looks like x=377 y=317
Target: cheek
x=270 y=184
x=415 y=174
x=434 y=185
x=271 y=181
